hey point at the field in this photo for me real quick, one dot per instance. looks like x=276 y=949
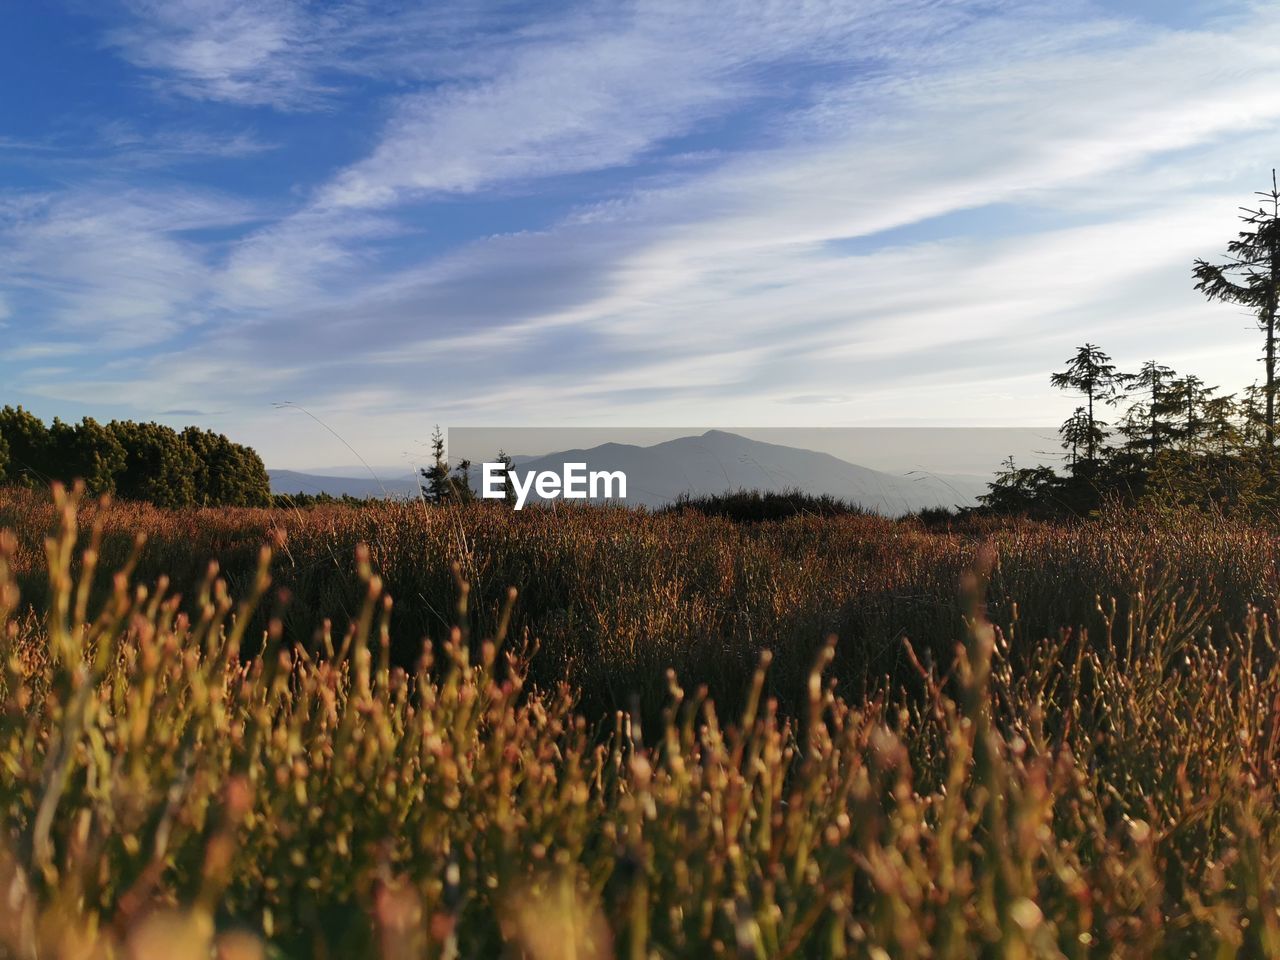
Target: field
x=824 y=736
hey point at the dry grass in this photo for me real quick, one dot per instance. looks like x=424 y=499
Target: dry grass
x=1107 y=793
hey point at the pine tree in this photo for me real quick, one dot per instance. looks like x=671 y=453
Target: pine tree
x=442 y=483
x=1251 y=277
x=1020 y=490
x=1145 y=429
x=1075 y=434
x=87 y=451
x=508 y=486
x=1251 y=411
x=1185 y=400
x=1221 y=433
x=227 y=474
x=160 y=467
x=1091 y=374
x=27 y=440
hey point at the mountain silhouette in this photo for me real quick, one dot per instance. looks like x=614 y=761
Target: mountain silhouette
x=713 y=462
x=717 y=461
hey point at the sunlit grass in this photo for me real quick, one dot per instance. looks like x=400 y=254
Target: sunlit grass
x=1108 y=793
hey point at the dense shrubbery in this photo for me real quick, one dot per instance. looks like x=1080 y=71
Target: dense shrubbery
x=135 y=461
x=1110 y=793
x=752 y=506
x=304 y=501
x=615 y=597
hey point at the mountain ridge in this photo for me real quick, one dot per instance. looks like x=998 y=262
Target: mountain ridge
x=697 y=465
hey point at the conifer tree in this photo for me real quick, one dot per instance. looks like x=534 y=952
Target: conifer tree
x=1221 y=434
x=1250 y=276
x=442 y=483
x=1091 y=374
x=1185 y=400
x=1146 y=430
x=85 y=451
x=160 y=467
x=1075 y=436
x=437 y=474
x=508 y=486
x=27 y=440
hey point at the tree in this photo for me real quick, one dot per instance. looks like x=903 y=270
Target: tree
x=27 y=440
x=1185 y=399
x=227 y=474
x=1221 y=433
x=460 y=487
x=1145 y=429
x=159 y=466
x=1251 y=277
x=1075 y=433
x=139 y=461
x=1020 y=490
x=87 y=451
x=1251 y=411
x=442 y=483
x=1091 y=374
x=436 y=475
x=508 y=485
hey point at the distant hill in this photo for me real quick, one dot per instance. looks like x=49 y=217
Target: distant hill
x=718 y=461
x=714 y=462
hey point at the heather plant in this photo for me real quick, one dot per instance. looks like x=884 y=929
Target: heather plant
x=1107 y=793
x=615 y=597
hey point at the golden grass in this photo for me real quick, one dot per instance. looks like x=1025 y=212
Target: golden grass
x=1109 y=793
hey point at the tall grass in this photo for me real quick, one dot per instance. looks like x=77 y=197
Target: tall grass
x=615 y=598
x=164 y=795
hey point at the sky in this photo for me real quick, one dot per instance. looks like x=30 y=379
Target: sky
x=322 y=228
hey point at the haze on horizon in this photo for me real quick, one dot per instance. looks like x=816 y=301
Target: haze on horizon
x=900 y=212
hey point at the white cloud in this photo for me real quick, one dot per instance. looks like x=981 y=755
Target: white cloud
x=301 y=55
x=244 y=51
x=113 y=266
x=609 y=87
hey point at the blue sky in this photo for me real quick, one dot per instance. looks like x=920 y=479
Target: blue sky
x=728 y=212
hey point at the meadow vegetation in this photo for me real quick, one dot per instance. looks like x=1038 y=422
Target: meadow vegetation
x=819 y=736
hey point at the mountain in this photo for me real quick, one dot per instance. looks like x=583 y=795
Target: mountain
x=713 y=462
x=718 y=461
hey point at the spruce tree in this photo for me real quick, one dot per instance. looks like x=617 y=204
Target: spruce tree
x=1090 y=374
x=1250 y=276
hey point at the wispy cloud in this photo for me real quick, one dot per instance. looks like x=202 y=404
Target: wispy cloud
x=112 y=265
x=300 y=55
x=255 y=52
x=125 y=146
x=616 y=81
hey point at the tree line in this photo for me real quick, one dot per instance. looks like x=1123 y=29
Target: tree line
x=1176 y=441
x=133 y=461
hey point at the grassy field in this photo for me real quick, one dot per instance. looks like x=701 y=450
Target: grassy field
x=834 y=736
